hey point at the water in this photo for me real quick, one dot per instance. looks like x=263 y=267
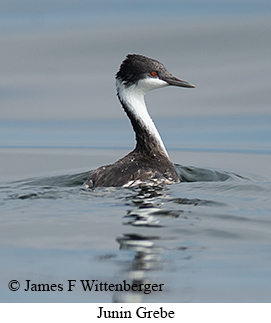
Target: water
x=28 y=14
x=207 y=239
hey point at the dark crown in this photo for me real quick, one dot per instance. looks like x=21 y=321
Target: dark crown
x=136 y=67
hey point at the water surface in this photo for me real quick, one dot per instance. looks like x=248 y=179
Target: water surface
x=206 y=239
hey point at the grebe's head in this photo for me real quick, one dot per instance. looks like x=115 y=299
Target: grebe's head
x=146 y=74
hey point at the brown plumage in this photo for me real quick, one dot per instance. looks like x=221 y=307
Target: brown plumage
x=148 y=163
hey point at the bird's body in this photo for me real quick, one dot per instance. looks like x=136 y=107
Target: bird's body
x=148 y=163
x=136 y=168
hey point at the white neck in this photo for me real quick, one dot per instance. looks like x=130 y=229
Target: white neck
x=133 y=97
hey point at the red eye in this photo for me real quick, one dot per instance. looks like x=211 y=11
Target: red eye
x=153 y=73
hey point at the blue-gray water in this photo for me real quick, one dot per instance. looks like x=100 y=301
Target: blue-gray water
x=207 y=239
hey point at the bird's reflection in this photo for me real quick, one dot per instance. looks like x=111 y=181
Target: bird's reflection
x=148 y=255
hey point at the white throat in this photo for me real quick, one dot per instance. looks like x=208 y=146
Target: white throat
x=133 y=97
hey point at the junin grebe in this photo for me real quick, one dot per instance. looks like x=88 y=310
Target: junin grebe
x=148 y=163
